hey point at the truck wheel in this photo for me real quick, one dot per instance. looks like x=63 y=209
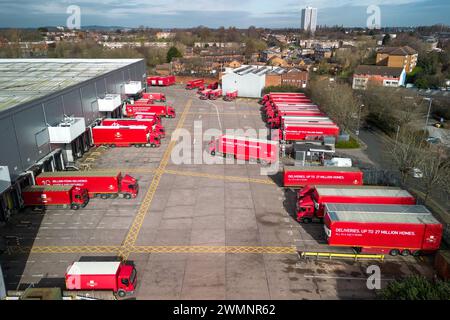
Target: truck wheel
x=137 y=145
x=394 y=252
x=104 y=196
x=406 y=253
x=213 y=153
x=74 y=207
x=127 y=196
x=113 y=146
x=306 y=220
x=121 y=293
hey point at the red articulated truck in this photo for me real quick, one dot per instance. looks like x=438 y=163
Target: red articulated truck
x=161 y=97
x=102 y=276
x=298 y=177
x=58 y=196
x=301 y=132
x=204 y=94
x=231 y=95
x=102 y=184
x=382 y=229
x=149 y=123
x=125 y=136
x=245 y=148
x=213 y=85
x=195 y=84
x=215 y=94
x=162 y=111
x=311 y=200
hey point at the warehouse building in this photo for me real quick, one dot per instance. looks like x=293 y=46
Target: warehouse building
x=47 y=108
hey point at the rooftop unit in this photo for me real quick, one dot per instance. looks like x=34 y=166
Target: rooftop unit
x=67 y=131
x=109 y=103
x=133 y=87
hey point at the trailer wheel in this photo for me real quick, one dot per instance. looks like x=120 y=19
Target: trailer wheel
x=306 y=220
x=127 y=196
x=213 y=153
x=394 y=252
x=74 y=207
x=104 y=196
x=406 y=253
x=113 y=146
x=264 y=162
x=121 y=293
x=137 y=145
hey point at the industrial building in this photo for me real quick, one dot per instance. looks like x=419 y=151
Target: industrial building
x=47 y=107
x=248 y=80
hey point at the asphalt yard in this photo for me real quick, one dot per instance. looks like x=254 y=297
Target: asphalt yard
x=196 y=230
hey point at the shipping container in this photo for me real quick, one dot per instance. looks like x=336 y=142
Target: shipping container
x=102 y=184
x=311 y=200
x=302 y=176
x=125 y=136
x=119 y=277
x=384 y=229
x=70 y=197
x=245 y=148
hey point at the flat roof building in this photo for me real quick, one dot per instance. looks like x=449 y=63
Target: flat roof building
x=47 y=107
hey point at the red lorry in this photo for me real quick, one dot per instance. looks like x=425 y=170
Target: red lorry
x=301 y=132
x=72 y=197
x=160 y=110
x=149 y=123
x=125 y=136
x=382 y=229
x=231 y=95
x=161 y=97
x=311 y=200
x=195 y=84
x=118 y=277
x=215 y=94
x=245 y=148
x=103 y=184
x=204 y=94
x=213 y=85
x=302 y=176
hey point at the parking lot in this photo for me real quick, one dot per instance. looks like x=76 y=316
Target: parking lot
x=195 y=231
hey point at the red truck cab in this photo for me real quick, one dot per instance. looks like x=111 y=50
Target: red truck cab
x=215 y=94
x=193 y=84
x=70 y=196
x=204 y=94
x=117 y=276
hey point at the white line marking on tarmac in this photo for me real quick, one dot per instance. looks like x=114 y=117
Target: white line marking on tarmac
x=343 y=278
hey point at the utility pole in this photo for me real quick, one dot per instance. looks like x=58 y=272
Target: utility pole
x=429 y=111
x=359 y=119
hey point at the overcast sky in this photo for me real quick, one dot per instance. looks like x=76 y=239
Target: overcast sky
x=216 y=13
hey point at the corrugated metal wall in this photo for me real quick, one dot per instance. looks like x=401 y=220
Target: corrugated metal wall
x=24 y=135
x=249 y=85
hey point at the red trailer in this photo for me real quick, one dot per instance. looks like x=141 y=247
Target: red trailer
x=143 y=101
x=148 y=115
x=311 y=200
x=161 y=97
x=160 y=110
x=194 y=84
x=166 y=81
x=152 y=81
x=98 y=183
x=119 y=277
x=245 y=148
x=204 y=94
x=60 y=196
x=301 y=132
x=272 y=95
x=149 y=123
x=302 y=176
x=276 y=122
x=125 y=136
x=215 y=94
x=384 y=229
x=231 y=95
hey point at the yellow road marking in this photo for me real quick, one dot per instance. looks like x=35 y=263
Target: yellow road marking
x=133 y=233
x=154 y=249
x=341 y=255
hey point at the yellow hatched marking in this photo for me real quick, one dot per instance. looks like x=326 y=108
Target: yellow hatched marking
x=65 y=249
x=145 y=206
x=330 y=255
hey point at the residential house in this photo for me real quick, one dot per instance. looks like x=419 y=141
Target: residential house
x=295 y=77
x=378 y=75
x=277 y=62
x=266 y=55
x=398 y=57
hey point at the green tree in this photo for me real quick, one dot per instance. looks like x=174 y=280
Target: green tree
x=416 y=288
x=173 y=53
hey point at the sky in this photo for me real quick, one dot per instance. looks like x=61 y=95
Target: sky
x=216 y=13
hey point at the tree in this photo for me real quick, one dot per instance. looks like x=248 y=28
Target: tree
x=386 y=39
x=173 y=53
x=416 y=288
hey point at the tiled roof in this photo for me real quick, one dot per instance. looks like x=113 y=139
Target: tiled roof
x=398 y=51
x=379 y=70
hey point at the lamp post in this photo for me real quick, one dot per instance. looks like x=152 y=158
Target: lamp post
x=359 y=119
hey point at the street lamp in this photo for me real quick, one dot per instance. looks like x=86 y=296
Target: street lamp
x=429 y=111
x=359 y=119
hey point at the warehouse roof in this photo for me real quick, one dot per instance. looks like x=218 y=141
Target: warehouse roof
x=24 y=80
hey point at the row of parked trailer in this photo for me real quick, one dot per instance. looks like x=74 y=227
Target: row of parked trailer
x=297 y=117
